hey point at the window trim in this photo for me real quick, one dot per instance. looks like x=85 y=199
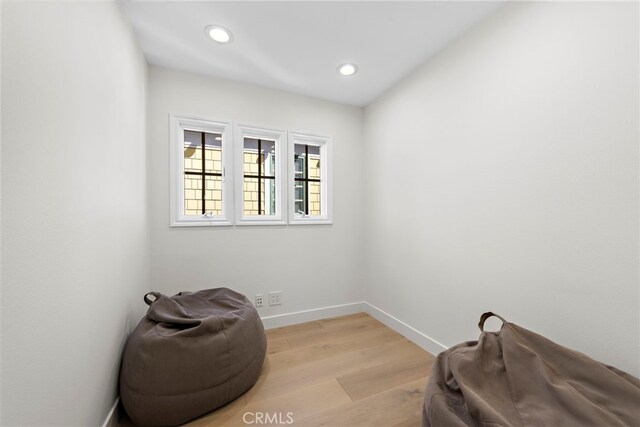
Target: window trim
x=178 y=124
x=326 y=178
x=279 y=136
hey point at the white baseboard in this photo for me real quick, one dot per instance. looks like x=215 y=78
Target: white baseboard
x=112 y=416
x=409 y=332
x=287 y=319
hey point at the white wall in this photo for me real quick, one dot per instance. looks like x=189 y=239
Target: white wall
x=314 y=265
x=0 y=215
x=503 y=175
x=75 y=240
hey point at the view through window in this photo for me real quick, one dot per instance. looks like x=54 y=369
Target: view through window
x=202 y=173
x=307 y=179
x=259 y=163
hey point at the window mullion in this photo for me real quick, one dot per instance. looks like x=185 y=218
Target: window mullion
x=203 y=193
x=306 y=176
x=259 y=180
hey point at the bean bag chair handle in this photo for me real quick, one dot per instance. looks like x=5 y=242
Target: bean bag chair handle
x=155 y=295
x=487 y=315
x=164 y=309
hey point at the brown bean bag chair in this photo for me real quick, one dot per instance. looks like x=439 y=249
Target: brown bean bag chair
x=190 y=354
x=518 y=378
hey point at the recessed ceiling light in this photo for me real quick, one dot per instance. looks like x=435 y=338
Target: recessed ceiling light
x=218 y=33
x=348 y=69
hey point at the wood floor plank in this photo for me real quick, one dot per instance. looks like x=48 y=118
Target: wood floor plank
x=221 y=415
x=384 y=409
x=372 y=380
x=277 y=345
x=296 y=356
x=413 y=421
x=304 y=402
x=301 y=403
x=333 y=332
x=276 y=383
x=342 y=320
x=287 y=331
x=317 y=331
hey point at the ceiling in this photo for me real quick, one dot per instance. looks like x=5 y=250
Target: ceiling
x=296 y=46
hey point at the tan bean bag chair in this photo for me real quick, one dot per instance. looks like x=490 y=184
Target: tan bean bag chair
x=518 y=378
x=190 y=354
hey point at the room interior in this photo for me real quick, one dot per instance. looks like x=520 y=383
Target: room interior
x=478 y=156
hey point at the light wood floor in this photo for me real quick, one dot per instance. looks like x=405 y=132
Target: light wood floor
x=346 y=371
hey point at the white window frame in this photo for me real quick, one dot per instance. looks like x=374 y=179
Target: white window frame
x=178 y=124
x=279 y=136
x=326 y=178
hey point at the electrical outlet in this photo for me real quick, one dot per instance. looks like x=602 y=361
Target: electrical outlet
x=275 y=298
x=259 y=300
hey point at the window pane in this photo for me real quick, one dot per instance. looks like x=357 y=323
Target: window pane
x=268 y=158
x=192 y=151
x=213 y=195
x=268 y=196
x=193 y=195
x=300 y=192
x=300 y=161
x=314 y=162
x=251 y=163
x=314 y=198
x=259 y=162
x=213 y=154
x=250 y=205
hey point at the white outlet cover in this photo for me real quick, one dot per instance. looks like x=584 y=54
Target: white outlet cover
x=259 y=300
x=275 y=298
